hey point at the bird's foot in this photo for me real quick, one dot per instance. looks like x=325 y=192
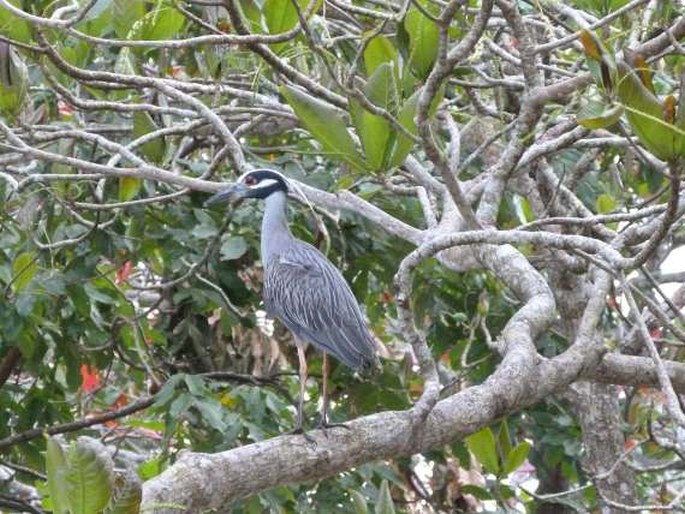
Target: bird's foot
x=324 y=426
x=301 y=431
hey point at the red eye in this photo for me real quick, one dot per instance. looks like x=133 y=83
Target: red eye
x=250 y=180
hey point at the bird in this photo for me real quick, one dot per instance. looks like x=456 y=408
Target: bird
x=302 y=288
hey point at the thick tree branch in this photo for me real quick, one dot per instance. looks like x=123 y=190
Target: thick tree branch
x=203 y=481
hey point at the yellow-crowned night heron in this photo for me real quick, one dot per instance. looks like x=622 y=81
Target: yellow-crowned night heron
x=302 y=288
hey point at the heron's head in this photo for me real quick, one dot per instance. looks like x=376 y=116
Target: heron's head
x=253 y=184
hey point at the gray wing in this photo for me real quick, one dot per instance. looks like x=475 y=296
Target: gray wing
x=311 y=297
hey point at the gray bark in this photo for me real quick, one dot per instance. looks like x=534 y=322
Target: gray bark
x=203 y=481
x=597 y=410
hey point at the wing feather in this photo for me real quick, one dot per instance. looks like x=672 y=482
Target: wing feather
x=311 y=297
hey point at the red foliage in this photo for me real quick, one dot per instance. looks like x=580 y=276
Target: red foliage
x=90 y=378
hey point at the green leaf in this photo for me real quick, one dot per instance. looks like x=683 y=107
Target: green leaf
x=522 y=209
x=233 y=248
x=195 y=384
x=125 y=13
x=14 y=27
x=423 y=42
x=13 y=81
x=375 y=132
x=406 y=115
x=151 y=468
x=326 y=125
x=479 y=492
x=212 y=413
x=378 y=51
x=24 y=268
x=279 y=15
x=605 y=203
x=180 y=405
x=645 y=114
x=55 y=467
x=650 y=120
x=90 y=476
x=403 y=144
x=483 y=446
x=601 y=63
x=516 y=457
x=158 y=25
x=129 y=188
x=358 y=501
x=384 y=503
x=252 y=15
x=144 y=124
x=598 y=115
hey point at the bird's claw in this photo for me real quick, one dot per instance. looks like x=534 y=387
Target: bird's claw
x=301 y=431
x=325 y=425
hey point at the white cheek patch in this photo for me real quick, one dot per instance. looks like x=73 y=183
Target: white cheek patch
x=267 y=182
x=241 y=178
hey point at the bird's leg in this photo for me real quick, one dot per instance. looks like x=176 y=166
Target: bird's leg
x=324 y=391
x=324 y=424
x=303 y=382
x=299 y=422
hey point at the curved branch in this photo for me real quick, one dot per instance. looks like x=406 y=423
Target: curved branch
x=203 y=481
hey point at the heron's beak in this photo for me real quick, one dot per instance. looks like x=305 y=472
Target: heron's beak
x=231 y=193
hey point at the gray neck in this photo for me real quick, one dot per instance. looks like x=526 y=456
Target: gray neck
x=275 y=231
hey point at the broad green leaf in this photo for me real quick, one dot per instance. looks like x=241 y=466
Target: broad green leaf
x=358 y=502
x=24 y=268
x=14 y=27
x=128 y=495
x=384 y=503
x=129 y=187
x=375 y=132
x=90 y=476
x=602 y=64
x=379 y=50
x=151 y=468
x=423 y=42
x=144 y=124
x=182 y=403
x=280 y=15
x=591 y=45
x=195 y=384
x=375 y=135
x=381 y=87
x=252 y=15
x=125 y=13
x=403 y=144
x=646 y=117
x=211 y=411
x=160 y=24
x=474 y=490
x=650 y=120
x=524 y=213
x=605 y=203
x=597 y=115
x=641 y=67
x=98 y=20
x=326 y=125
x=13 y=81
x=233 y=248
x=55 y=467
x=516 y=457
x=483 y=446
